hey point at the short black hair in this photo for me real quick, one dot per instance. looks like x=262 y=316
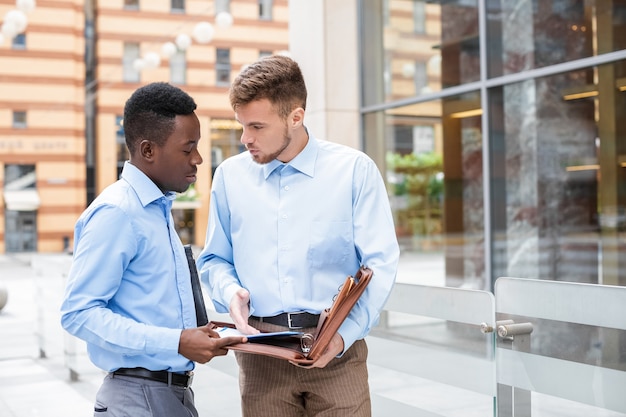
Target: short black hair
x=150 y=111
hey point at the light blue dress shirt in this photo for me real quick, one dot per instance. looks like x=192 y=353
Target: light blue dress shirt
x=128 y=293
x=291 y=233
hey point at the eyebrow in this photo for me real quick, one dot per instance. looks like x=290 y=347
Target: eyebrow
x=254 y=122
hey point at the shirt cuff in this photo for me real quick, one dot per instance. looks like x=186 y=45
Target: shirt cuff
x=350 y=331
x=162 y=340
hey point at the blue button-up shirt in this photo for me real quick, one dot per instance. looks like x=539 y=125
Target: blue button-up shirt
x=291 y=233
x=129 y=292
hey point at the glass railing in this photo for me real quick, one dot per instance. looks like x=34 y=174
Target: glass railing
x=537 y=348
x=561 y=349
x=433 y=353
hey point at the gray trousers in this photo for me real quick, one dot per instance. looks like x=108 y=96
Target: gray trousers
x=124 y=396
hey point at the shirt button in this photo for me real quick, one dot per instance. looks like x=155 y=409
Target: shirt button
x=286 y=188
x=284 y=216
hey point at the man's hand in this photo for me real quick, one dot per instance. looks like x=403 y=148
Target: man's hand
x=335 y=347
x=240 y=310
x=202 y=344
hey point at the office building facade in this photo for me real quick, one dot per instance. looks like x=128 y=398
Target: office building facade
x=498 y=125
x=63 y=84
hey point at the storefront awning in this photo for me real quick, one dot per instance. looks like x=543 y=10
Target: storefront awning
x=21 y=200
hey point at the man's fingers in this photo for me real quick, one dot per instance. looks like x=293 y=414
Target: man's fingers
x=231 y=340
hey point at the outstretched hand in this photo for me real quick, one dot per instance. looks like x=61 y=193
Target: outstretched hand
x=202 y=344
x=240 y=310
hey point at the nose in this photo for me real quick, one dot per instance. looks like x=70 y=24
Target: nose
x=197 y=158
x=246 y=138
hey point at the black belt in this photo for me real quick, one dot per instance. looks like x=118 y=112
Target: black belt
x=291 y=320
x=170 y=378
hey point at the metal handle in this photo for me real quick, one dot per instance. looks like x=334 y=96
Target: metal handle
x=486 y=328
x=514 y=329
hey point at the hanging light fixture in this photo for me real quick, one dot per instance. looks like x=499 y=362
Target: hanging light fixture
x=203 y=32
x=168 y=49
x=25 y=6
x=151 y=60
x=224 y=20
x=8 y=29
x=183 y=41
x=15 y=22
x=139 y=64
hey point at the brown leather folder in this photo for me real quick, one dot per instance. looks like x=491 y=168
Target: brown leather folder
x=305 y=349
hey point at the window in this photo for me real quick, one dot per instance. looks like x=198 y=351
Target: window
x=178 y=6
x=178 y=68
x=21 y=203
x=222 y=67
x=265 y=9
x=19 y=41
x=131 y=4
x=222 y=6
x=19 y=177
x=419 y=17
x=19 y=120
x=420 y=77
x=131 y=53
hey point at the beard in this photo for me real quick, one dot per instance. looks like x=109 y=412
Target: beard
x=263 y=159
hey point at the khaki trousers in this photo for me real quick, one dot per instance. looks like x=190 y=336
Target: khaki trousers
x=275 y=388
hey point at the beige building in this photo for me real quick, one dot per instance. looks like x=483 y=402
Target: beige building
x=63 y=84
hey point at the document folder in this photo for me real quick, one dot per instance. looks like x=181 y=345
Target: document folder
x=301 y=348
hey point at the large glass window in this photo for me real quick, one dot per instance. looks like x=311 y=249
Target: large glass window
x=434 y=167
x=558 y=175
x=533 y=34
x=442 y=35
x=539 y=123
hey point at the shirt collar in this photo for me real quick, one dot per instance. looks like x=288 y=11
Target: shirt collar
x=146 y=190
x=303 y=162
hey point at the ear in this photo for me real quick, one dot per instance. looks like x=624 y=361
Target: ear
x=146 y=149
x=296 y=118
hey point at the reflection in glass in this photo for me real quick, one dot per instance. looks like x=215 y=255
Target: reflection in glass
x=225 y=141
x=426 y=46
x=434 y=175
x=525 y=35
x=558 y=210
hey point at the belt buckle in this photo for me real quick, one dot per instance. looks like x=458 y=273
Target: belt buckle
x=189 y=379
x=289 y=322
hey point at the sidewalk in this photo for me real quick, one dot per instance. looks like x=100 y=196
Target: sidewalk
x=34 y=386
x=34 y=352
